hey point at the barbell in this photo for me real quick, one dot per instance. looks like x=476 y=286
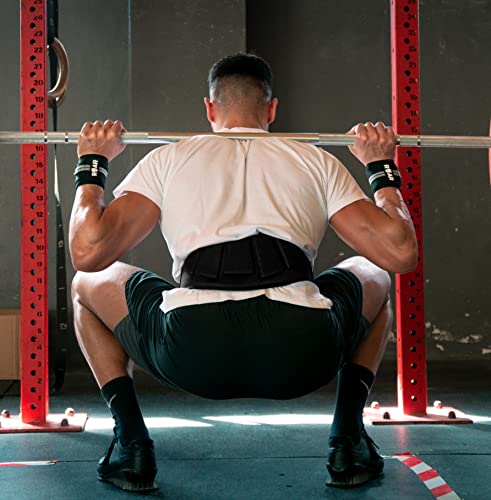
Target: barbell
x=318 y=139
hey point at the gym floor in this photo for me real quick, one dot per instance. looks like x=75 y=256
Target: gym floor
x=254 y=449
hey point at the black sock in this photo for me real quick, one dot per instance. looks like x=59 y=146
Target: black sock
x=354 y=384
x=119 y=395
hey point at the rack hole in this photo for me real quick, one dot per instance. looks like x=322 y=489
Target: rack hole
x=406 y=25
x=33 y=389
x=33 y=189
x=32 y=91
x=32 y=107
x=409 y=185
x=33 y=288
x=33 y=222
x=409 y=153
x=33 y=305
x=412 y=333
x=413 y=365
x=407 y=57
x=33 y=322
x=407 y=41
x=33 y=255
x=408 y=105
x=412 y=282
x=414 y=381
x=33 y=173
x=32 y=25
x=33 y=339
x=408 y=121
x=33 y=123
x=32 y=41
x=407 y=72
x=412 y=316
x=407 y=88
x=409 y=202
x=33 y=156
x=33 y=373
x=32 y=58
x=409 y=170
x=33 y=272
x=412 y=300
x=32 y=9
x=33 y=356
x=33 y=406
x=414 y=398
x=412 y=349
x=33 y=239
x=33 y=206
x=32 y=74
x=406 y=9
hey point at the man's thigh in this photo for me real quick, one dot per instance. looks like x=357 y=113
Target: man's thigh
x=375 y=283
x=103 y=292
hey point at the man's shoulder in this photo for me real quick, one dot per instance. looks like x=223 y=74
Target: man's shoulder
x=158 y=154
x=310 y=150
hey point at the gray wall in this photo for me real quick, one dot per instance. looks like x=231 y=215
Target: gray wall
x=332 y=66
x=145 y=62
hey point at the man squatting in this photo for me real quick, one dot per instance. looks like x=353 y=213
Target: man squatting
x=243 y=220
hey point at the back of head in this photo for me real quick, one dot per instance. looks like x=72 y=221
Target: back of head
x=242 y=82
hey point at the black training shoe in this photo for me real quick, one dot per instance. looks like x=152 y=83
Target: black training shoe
x=350 y=463
x=134 y=468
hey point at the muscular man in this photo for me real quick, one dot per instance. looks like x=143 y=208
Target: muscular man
x=243 y=220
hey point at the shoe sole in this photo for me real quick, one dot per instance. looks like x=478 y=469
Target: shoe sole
x=126 y=485
x=350 y=478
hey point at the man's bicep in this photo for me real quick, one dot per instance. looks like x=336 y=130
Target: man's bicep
x=359 y=224
x=136 y=215
x=128 y=219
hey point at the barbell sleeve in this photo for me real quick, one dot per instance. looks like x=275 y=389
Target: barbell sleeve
x=318 y=139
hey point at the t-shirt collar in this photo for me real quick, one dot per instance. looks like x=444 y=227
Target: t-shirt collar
x=243 y=129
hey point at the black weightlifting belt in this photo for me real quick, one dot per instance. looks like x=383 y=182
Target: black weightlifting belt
x=252 y=263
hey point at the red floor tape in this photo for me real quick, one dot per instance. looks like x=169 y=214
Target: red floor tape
x=27 y=464
x=430 y=477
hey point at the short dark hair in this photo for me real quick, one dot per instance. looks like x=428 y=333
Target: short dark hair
x=247 y=67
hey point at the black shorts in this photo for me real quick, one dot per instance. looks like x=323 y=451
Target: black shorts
x=257 y=348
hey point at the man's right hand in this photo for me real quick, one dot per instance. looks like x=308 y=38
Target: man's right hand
x=373 y=142
x=99 y=139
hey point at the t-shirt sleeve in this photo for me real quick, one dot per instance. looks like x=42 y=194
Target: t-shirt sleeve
x=147 y=177
x=341 y=188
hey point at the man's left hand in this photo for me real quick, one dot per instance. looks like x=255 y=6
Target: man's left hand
x=373 y=142
x=101 y=139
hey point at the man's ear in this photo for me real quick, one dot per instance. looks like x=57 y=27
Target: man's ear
x=272 y=110
x=210 y=110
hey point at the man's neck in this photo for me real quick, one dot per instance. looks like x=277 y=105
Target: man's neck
x=240 y=123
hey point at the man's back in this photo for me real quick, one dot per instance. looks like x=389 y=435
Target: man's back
x=212 y=189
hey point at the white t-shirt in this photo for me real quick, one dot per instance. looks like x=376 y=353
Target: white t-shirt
x=212 y=189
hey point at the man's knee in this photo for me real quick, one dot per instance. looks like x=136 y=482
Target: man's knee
x=378 y=278
x=383 y=280
x=77 y=285
x=368 y=271
x=375 y=282
x=87 y=287
x=109 y=281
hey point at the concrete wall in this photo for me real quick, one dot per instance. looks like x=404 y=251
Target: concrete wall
x=332 y=65
x=145 y=62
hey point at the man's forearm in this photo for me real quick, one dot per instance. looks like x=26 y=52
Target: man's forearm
x=399 y=229
x=86 y=224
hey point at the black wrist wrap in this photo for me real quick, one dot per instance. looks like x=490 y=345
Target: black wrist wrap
x=383 y=173
x=91 y=169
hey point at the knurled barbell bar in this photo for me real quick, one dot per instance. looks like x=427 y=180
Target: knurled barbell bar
x=318 y=139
